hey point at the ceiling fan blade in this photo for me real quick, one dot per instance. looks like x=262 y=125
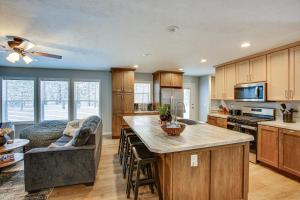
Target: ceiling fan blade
x=26 y=45
x=46 y=55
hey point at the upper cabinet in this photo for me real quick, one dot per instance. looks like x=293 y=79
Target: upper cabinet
x=122 y=80
x=170 y=79
x=212 y=87
x=278 y=76
x=243 y=72
x=258 y=69
x=295 y=73
x=225 y=79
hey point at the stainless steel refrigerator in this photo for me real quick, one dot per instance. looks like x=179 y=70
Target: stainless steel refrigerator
x=166 y=96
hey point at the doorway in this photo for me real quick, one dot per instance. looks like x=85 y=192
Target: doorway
x=189 y=101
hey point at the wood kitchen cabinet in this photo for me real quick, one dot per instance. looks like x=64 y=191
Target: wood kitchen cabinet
x=289 y=151
x=258 y=69
x=212 y=120
x=219 y=82
x=230 y=81
x=217 y=121
x=278 y=76
x=243 y=71
x=212 y=88
x=267 y=145
x=294 y=93
x=122 y=97
x=165 y=79
x=170 y=79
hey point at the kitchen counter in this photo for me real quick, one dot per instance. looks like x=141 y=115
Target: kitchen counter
x=201 y=154
x=218 y=115
x=280 y=124
x=193 y=137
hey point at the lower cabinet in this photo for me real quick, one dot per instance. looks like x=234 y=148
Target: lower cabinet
x=267 y=145
x=279 y=148
x=289 y=151
x=217 y=121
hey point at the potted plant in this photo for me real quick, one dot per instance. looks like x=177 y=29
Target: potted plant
x=163 y=112
x=3 y=133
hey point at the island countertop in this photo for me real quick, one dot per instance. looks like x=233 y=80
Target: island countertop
x=148 y=129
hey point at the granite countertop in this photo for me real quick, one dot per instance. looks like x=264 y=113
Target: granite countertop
x=280 y=124
x=218 y=115
x=193 y=137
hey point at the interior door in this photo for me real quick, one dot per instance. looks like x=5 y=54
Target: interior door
x=189 y=101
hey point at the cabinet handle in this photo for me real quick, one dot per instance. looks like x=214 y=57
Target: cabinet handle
x=286 y=94
x=291 y=94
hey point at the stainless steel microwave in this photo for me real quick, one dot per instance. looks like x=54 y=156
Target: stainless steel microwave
x=251 y=92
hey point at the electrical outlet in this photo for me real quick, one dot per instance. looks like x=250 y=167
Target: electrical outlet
x=194 y=160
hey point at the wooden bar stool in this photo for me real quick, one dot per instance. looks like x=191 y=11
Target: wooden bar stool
x=131 y=142
x=126 y=133
x=144 y=158
x=122 y=142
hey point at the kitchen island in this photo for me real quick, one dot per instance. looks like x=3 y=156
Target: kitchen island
x=204 y=162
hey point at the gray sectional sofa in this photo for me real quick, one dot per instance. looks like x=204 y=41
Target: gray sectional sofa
x=64 y=165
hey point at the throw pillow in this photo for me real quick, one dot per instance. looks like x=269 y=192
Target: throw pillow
x=81 y=137
x=72 y=126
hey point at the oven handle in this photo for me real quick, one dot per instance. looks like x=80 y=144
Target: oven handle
x=256 y=92
x=243 y=126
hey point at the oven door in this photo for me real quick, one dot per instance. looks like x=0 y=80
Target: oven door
x=251 y=92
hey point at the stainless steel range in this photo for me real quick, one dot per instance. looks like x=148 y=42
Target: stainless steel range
x=248 y=123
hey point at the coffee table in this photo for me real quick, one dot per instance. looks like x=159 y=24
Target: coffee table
x=10 y=147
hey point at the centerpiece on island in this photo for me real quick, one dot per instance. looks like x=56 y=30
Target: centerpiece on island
x=3 y=133
x=164 y=114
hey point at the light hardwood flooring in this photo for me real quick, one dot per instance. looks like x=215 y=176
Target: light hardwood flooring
x=264 y=184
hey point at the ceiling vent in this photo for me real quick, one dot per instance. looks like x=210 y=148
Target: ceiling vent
x=172 y=28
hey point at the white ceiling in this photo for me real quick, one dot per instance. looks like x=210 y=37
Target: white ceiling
x=100 y=34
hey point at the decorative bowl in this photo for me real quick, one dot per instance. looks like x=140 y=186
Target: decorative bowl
x=173 y=131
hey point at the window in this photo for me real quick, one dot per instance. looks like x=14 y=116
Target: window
x=18 y=100
x=86 y=95
x=142 y=92
x=54 y=100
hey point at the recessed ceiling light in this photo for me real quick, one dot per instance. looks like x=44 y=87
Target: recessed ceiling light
x=245 y=45
x=203 y=60
x=172 y=28
x=135 y=66
x=147 y=54
x=180 y=69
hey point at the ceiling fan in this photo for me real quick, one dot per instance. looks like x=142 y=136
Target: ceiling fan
x=19 y=47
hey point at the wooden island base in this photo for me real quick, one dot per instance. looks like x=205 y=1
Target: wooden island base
x=222 y=173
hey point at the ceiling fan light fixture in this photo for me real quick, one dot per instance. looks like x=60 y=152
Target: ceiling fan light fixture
x=13 y=57
x=27 y=59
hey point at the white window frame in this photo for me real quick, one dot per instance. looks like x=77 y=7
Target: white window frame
x=151 y=89
x=70 y=110
x=73 y=95
x=34 y=103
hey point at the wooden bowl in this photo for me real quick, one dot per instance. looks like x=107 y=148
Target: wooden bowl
x=173 y=131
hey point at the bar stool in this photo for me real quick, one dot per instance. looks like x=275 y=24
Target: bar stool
x=131 y=142
x=121 y=142
x=125 y=133
x=143 y=157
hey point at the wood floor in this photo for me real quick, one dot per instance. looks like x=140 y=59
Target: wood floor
x=264 y=183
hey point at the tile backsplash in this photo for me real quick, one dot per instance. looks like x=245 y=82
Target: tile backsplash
x=239 y=105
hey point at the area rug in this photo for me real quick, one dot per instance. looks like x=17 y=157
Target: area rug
x=12 y=188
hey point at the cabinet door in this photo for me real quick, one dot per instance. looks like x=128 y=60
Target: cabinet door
x=243 y=72
x=258 y=69
x=212 y=120
x=177 y=80
x=128 y=81
x=117 y=81
x=221 y=122
x=165 y=79
x=295 y=73
x=230 y=81
x=128 y=103
x=212 y=87
x=289 y=151
x=219 y=82
x=267 y=145
x=278 y=76
x=116 y=126
x=117 y=102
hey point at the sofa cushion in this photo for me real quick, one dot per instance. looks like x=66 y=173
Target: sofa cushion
x=81 y=136
x=72 y=126
x=91 y=122
x=44 y=133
